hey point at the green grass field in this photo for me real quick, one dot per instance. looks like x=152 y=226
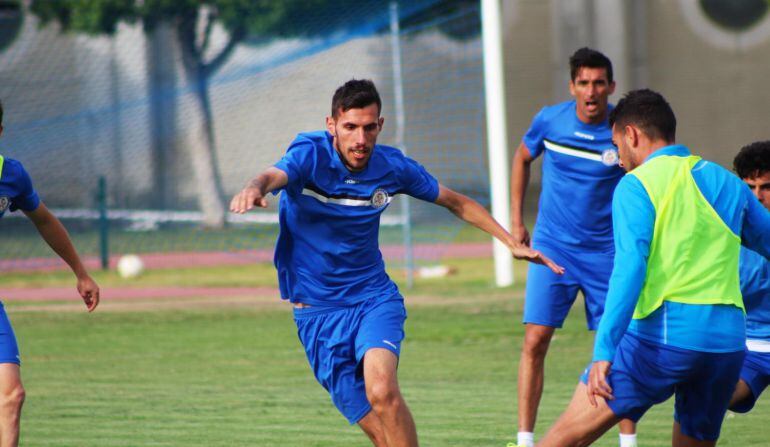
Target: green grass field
x=236 y=375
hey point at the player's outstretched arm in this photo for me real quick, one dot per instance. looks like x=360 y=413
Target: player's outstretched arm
x=519 y=181
x=56 y=236
x=255 y=192
x=472 y=212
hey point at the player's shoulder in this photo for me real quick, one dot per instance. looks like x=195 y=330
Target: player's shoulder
x=316 y=138
x=11 y=168
x=560 y=110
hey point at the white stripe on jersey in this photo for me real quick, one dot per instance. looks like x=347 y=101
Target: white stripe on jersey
x=758 y=345
x=569 y=151
x=346 y=202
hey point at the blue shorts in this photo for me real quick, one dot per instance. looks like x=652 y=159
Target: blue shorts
x=9 y=349
x=756 y=374
x=550 y=296
x=335 y=341
x=645 y=373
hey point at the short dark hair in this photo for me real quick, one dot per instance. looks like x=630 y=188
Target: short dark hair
x=355 y=94
x=649 y=111
x=753 y=160
x=586 y=57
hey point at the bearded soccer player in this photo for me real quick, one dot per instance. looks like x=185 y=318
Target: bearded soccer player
x=17 y=193
x=349 y=314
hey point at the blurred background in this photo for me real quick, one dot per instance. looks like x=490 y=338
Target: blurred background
x=176 y=104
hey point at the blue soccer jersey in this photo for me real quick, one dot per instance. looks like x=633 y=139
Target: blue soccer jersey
x=327 y=253
x=16 y=191
x=580 y=172
x=755 y=287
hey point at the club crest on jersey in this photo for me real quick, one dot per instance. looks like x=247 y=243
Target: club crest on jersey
x=610 y=157
x=4 y=202
x=379 y=198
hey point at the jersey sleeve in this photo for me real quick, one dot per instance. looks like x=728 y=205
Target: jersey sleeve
x=297 y=163
x=417 y=182
x=535 y=135
x=27 y=198
x=633 y=221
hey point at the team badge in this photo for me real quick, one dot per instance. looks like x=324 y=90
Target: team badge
x=4 y=202
x=379 y=198
x=610 y=157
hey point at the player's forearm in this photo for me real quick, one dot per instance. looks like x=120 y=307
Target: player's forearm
x=519 y=181
x=268 y=181
x=56 y=236
x=472 y=212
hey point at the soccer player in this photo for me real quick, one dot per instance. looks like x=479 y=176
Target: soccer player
x=349 y=314
x=752 y=164
x=673 y=324
x=17 y=193
x=574 y=224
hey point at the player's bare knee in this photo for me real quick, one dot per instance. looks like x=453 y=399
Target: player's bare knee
x=536 y=344
x=383 y=395
x=14 y=397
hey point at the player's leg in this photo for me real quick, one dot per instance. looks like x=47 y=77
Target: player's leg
x=385 y=397
x=11 y=390
x=328 y=337
x=546 y=305
x=679 y=439
x=594 y=275
x=581 y=423
x=378 y=346
x=537 y=338
x=11 y=400
x=755 y=377
x=372 y=426
x=702 y=400
x=627 y=429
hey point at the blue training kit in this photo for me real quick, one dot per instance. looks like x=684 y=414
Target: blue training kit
x=328 y=257
x=686 y=339
x=16 y=192
x=574 y=223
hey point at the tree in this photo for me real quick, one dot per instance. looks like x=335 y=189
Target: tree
x=193 y=22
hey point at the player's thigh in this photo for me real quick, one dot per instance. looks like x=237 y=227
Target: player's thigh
x=581 y=423
x=381 y=326
x=9 y=348
x=549 y=296
x=755 y=374
x=593 y=271
x=644 y=374
x=701 y=401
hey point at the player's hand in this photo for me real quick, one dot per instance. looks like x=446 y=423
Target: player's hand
x=520 y=235
x=88 y=289
x=247 y=199
x=532 y=255
x=597 y=382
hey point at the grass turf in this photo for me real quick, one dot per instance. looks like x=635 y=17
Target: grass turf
x=238 y=377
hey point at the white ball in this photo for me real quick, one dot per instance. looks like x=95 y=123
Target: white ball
x=130 y=266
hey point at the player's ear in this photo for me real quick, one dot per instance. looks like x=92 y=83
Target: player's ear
x=631 y=134
x=612 y=87
x=572 y=87
x=381 y=121
x=330 y=125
